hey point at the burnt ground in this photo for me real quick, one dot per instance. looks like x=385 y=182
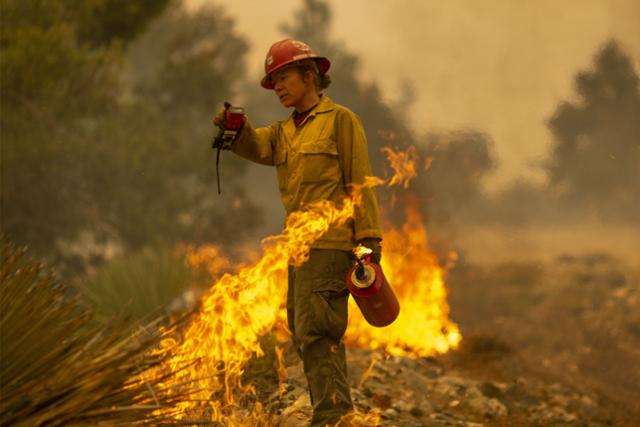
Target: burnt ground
x=573 y=320
x=544 y=343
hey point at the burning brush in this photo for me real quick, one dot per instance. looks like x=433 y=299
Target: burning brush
x=210 y=355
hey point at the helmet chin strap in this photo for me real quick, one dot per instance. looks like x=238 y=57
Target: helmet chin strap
x=308 y=104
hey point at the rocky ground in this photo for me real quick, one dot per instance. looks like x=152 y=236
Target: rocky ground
x=544 y=344
x=483 y=384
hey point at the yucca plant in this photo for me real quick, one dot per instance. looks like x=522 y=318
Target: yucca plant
x=59 y=368
x=139 y=286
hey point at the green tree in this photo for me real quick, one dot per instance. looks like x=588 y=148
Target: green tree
x=55 y=81
x=91 y=145
x=180 y=71
x=595 y=161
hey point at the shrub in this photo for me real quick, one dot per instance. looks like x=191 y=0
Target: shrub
x=59 y=368
x=152 y=282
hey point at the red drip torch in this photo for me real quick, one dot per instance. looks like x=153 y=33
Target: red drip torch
x=370 y=289
x=230 y=127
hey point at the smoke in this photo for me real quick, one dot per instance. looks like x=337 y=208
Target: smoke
x=496 y=66
x=473 y=87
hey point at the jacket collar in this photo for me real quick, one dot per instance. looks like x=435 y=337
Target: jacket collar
x=324 y=106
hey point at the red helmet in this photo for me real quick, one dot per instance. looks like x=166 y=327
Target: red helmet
x=286 y=52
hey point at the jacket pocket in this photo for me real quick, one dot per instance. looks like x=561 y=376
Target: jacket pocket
x=319 y=161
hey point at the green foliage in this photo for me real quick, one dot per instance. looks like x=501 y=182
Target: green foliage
x=58 y=368
x=106 y=127
x=106 y=20
x=187 y=63
x=48 y=76
x=96 y=22
x=136 y=287
x=63 y=62
x=597 y=139
x=54 y=84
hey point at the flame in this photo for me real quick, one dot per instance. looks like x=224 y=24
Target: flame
x=365 y=376
x=281 y=370
x=404 y=165
x=210 y=354
x=423 y=327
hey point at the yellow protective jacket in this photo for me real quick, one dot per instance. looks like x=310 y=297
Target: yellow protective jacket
x=316 y=161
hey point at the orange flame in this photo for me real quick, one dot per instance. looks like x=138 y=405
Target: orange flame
x=281 y=370
x=423 y=327
x=404 y=165
x=365 y=376
x=209 y=356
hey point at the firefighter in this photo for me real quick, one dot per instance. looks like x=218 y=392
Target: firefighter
x=318 y=151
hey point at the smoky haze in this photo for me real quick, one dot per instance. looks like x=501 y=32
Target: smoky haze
x=540 y=96
x=476 y=86
x=497 y=66
x=525 y=112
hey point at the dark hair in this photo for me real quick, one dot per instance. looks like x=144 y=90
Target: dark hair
x=322 y=80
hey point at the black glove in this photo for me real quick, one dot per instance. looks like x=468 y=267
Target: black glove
x=372 y=243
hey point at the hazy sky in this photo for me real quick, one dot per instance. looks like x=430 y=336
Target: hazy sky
x=500 y=66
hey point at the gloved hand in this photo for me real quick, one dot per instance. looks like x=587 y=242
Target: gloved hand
x=372 y=243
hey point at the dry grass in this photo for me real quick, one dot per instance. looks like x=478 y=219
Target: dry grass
x=59 y=368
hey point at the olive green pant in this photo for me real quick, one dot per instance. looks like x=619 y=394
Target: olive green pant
x=317 y=317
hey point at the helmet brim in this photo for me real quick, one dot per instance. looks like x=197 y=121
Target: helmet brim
x=323 y=64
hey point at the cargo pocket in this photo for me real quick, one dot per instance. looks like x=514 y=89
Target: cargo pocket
x=319 y=161
x=329 y=307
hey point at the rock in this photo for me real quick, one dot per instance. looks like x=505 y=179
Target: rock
x=403 y=405
x=295 y=375
x=488 y=407
x=446 y=419
x=490 y=389
x=295 y=420
x=416 y=412
x=450 y=386
x=390 y=413
x=431 y=367
x=520 y=394
x=494 y=408
x=298 y=414
x=398 y=388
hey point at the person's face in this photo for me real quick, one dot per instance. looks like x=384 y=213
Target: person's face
x=290 y=87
